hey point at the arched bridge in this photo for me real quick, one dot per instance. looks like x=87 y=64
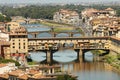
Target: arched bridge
x=80 y=45
x=53 y=34
x=75 y=43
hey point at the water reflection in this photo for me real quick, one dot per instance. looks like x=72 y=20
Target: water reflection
x=39 y=27
x=36 y=27
x=84 y=70
x=65 y=56
x=77 y=35
x=38 y=56
x=62 y=35
x=90 y=71
x=30 y=36
x=88 y=56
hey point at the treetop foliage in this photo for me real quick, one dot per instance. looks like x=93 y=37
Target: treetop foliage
x=47 y=12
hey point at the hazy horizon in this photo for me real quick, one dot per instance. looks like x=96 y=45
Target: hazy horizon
x=52 y=1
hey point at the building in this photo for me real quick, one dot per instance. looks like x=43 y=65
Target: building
x=118 y=33
x=67 y=17
x=105 y=26
x=11 y=26
x=19 y=19
x=5 y=49
x=4 y=43
x=33 y=73
x=19 y=43
x=91 y=13
x=4 y=36
x=111 y=11
x=103 y=22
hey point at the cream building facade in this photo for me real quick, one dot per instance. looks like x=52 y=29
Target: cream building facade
x=67 y=17
x=19 y=43
x=12 y=25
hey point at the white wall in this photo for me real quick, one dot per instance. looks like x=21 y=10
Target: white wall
x=5 y=36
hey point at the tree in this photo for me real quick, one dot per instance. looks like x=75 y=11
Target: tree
x=8 y=29
x=65 y=77
x=4 y=18
x=9 y=60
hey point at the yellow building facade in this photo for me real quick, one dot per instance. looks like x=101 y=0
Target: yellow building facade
x=19 y=43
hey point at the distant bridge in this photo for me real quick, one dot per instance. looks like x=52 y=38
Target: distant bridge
x=52 y=33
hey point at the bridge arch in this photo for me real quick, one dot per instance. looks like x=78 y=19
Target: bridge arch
x=77 y=35
x=44 y=34
x=95 y=52
x=62 y=34
x=30 y=36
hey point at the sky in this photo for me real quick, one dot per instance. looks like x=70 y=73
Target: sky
x=52 y=1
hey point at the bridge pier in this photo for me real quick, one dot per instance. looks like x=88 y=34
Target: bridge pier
x=79 y=55
x=34 y=35
x=70 y=34
x=49 y=56
x=54 y=34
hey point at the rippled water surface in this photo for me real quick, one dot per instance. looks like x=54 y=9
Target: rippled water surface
x=84 y=70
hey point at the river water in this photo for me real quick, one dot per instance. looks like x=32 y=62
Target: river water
x=84 y=70
x=66 y=58
x=40 y=27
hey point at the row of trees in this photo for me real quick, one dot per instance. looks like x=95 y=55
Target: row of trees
x=2 y=60
x=47 y=12
x=4 y=18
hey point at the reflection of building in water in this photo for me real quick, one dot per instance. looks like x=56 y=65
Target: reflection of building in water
x=83 y=66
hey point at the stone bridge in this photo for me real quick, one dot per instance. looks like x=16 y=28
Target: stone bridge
x=75 y=43
x=52 y=33
x=80 y=45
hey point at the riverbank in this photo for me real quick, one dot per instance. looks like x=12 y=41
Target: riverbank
x=112 y=59
x=61 y=27
x=111 y=67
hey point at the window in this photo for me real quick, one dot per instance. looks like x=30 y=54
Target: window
x=24 y=47
x=19 y=43
x=13 y=43
x=19 y=47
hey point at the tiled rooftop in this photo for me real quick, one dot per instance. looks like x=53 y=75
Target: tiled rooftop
x=5 y=76
x=2 y=65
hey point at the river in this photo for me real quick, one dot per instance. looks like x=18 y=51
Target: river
x=84 y=70
x=40 y=27
x=67 y=59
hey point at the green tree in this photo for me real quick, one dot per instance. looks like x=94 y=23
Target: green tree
x=8 y=29
x=65 y=77
x=4 y=18
x=9 y=60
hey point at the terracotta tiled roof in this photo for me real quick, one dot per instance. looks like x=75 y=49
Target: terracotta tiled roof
x=16 y=72
x=32 y=71
x=5 y=76
x=2 y=65
x=109 y=9
x=24 y=77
